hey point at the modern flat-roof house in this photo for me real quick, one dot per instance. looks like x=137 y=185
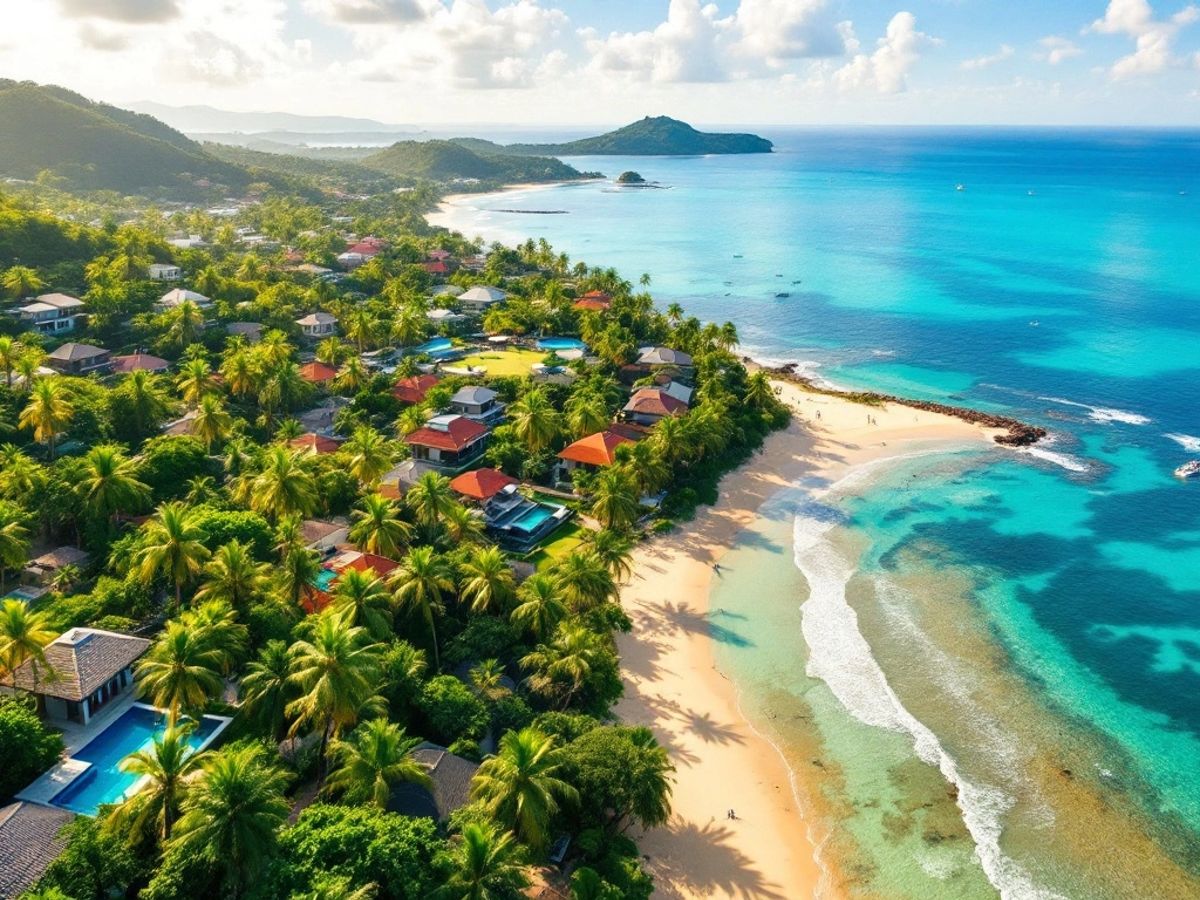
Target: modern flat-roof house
x=482 y=484
x=176 y=297
x=448 y=442
x=596 y=451
x=318 y=373
x=79 y=359
x=164 y=272
x=517 y=522
x=318 y=325
x=139 y=362
x=89 y=668
x=30 y=839
x=450 y=790
x=479 y=403
x=480 y=299
x=648 y=406
x=412 y=390
x=53 y=313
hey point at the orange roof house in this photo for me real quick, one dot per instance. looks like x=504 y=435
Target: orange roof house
x=318 y=373
x=598 y=301
x=448 y=442
x=317 y=443
x=648 y=405
x=412 y=390
x=597 y=449
x=482 y=484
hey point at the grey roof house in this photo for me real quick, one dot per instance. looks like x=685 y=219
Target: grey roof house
x=664 y=356
x=29 y=842
x=479 y=403
x=451 y=776
x=79 y=359
x=480 y=299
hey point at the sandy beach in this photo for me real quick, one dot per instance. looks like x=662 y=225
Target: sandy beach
x=673 y=686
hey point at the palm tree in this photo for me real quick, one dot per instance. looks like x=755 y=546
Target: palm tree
x=282 y=390
x=377 y=528
x=615 y=499
x=215 y=621
x=299 y=570
x=49 y=410
x=266 y=689
x=195 y=380
x=110 y=484
x=585 y=581
x=430 y=497
x=376 y=756
x=534 y=420
x=212 y=421
x=759 y=393
x=366 y=601
x=561 y=668
x=487 y=678
x=233 y=814
x=172 y=546
x=241 y=372
x=27 y=366
x=586 y=415
x=331 y=351
x=19 y=475
x=10 y=350
x=185 y=322
x=614 y=550
x=368 y=455
x=285 y=486
x=586 y=884
x=487 y=582
x=23 y=635
x=645 y=465
x=353 y=376
x=335 y=673
x=361 y=327
x=521 y=787
x=462 y=525
x=165 y=766
x=233 y=575
x=420 y=583
x=146 y=403
x=540 y=605
x=14 y=545
x=727 y=339
x=489 y=865
x=21 y=281
x=181 y=671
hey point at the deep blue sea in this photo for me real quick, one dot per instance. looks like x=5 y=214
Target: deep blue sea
x=1052 y=275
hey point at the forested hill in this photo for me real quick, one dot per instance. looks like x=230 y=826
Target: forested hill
x=94 y=146
x=657 y=136
x=449 y=160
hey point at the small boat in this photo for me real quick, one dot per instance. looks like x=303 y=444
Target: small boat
x=1034 y=324
x=737 y=256
x=782 y=295
x=960 y=187
x=1188 y=469
x=1031 y=193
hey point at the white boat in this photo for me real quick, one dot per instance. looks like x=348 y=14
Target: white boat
x=1188 y=469
x=960 y=187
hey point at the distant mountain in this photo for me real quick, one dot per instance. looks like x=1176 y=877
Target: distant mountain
x=209 y=120
x=450 y=160
x=94 y=146
x=658 y=136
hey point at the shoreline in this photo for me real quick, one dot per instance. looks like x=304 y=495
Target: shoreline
x=673 y=684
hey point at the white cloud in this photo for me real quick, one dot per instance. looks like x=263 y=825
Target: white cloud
x=886 y=70
x=132 y=11
x=102 y=39
x=1153 y=39
x=684 y=48
x=369 y=12
x=1055 y=49
x=780 y=30
x=988 y=60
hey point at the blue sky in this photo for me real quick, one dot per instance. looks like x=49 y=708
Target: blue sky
x=587 y=62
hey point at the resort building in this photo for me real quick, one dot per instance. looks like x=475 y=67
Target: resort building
x=79 y=359
x=175 y=298
x=680 y=392
x=315 y=443
x=596 y=451
x=482 y=484
x=30 y=839
x=412 y=390
x=85 y=670
x=478 y=403
x=450 y=790
x=251 y=331
x=648 y=406
x=444 y=317
x=318 y=373
x=318 y=325
x=480 y=299
x=594 y=301
x=53 y=313
x=448 y=442
x=164 y=272
x=139 y=362
x=664 y=356
x=517 y=522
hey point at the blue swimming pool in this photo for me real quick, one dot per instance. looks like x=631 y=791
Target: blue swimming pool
x=438 y=348
x=531 y=520
x=104 y=782
x=325 y=578
x=561 y=343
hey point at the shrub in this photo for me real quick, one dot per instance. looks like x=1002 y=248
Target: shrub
x=452 y=711
x=27 y=747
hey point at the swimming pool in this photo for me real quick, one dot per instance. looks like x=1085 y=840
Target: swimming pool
x=325 y=579
x=438 y=348
x=530 y=520
x=561 y=343
x=104 y=782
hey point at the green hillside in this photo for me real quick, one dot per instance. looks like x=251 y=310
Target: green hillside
x=449 y=160
x=658 y=136
x=93 y=146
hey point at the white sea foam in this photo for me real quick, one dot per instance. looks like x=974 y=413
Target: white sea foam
x=841 y=657
x=1186 y=441
x=1065 y=460
x=1102 y=413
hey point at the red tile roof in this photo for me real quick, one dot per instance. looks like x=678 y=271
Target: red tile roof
x=482 y=484
x=414 y=388
x=653 y=402
x=317 y=373
x=135 y=361
x=594 y=300
x=597 y=449
x=316 y=443
x=436 y=268
x=458 y=434
x=356 y=559
x=602 y=296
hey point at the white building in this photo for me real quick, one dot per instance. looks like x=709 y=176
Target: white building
x=318 y=325
x=163 y=272
x=53 y=313
x=480 y=299
x=178 y=296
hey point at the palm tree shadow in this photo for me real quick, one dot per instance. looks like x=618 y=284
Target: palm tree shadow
x=711 y=732
x=703 y=862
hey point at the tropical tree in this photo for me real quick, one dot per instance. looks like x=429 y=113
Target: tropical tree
x=233 y=575
x=376 y=756
x=212 y=422
x=28 y=364
x=522 y=785
x=49 y=410
x=181 y=671
x=487 y=581
x=645 y=466
x=163 y=768
x=560 y=669
x=215 y=621
x=171 y=545
x=430 y=497
x=110 y=484
x=299 y=570
x=488 y=865
x=615 y=499
x=232 y=815
x=420 y=584
x=614 y=549
x=759 y=392
x=21 y=281
x=353 y=376
x=142 y=399
x=284 y=486
x=10 y=350
x=368 y=455
x=241 y=372
x=184 y=324
x=534 y=420
x=24 y=634
x=586 y=414
x=365 y=600
x=14 y=545
x=462 y=526
x=540 y=605
x=195 y=379
x=377 y=527
x=267 y=690
x=487 y=679
x=585 y=581
x=331 y=351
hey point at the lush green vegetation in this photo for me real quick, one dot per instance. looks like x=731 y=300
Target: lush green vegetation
x=27 y=746
x=447 y=161
x=651 y=136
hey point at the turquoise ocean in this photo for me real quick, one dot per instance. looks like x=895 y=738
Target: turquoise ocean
x=984 y=665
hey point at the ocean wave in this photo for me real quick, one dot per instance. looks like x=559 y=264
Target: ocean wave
x=1186 y=441
x=1064 y=460
x=1102 y=414
x=840 y=656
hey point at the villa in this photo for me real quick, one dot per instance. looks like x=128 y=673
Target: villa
x=324 y=537
x=320 y=594
x=251 y=331
x=318 y=373
x=412 y=390
x=448 y=442
x=163 y=272
x=480 y=299
x=480 y=404
x=139 y=362
x=596 y=451
x=648 y=406
x=444 y=317
x=517 y=522
x=594 y=301
x=30 y=839
x=351 y=261
x=315 y=443
x=321 y=417
x=53 y=313
x=175 y=298
x=664 y=356
x=318 y=325
x=79 y=359
x=451 y=777
x=482 y=484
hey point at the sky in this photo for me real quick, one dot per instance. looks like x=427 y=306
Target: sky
x=592 y=62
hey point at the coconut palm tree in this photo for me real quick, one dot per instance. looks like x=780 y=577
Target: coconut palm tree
x=241 y=372
x=14 y=545
x=488 y=865
x=365 y=600
x=184 y=323
x=27 y=366
x=195 y=379
x=146 y=402
x=540 y=605
x=233 y=813
x=645 y=465
x=331 y=351
x=163 y=768
x=19 y=475
x=181 y=671
x=266 y=690
x=172 y=546
x=23 y=637
x=420 y=584
x=429 y=498
x=376 y=756
x=615 y=499
x=334 y=673
x=284 y=486
x=586 y=414
x=234 y=575
x=10 y=350
x=560 y=668
x=534 y=420
x=521 y=786
x=49 y=410
x=361 y=327
x=109 y=482
x=585 y=581
x=368 y=455
x=487 y=581
x=614 y=549
x=759 y=393
x=462 y=525
x=377 y=527
x=212 y=421
x=21 y=281
x=353 y=376
x=727 y=339
x=216 y=623
x=487 y=678
x=298 y=572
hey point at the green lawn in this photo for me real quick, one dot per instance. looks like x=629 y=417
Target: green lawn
x=502 y=362
x=561 y=543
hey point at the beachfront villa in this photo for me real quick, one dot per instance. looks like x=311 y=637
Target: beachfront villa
x=318 y=325
x=480 y=299
x=444 y=317
x=517 y=522
x=594 y=301
x=79 y=359
x=450 y=789
x=176 y=297
x=448 y=442
x=596 y=451
x=481 y=485
x=664 y=356
x=649 y=406
x=478 y=403
x=52 y=313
